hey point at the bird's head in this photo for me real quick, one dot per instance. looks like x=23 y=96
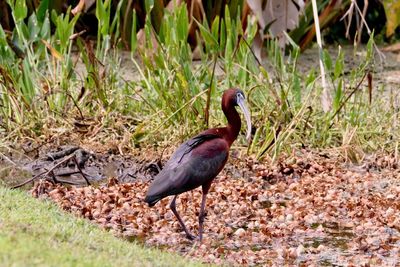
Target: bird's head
x=235 y=97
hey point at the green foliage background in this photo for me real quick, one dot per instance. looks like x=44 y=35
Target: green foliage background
x=43 y=94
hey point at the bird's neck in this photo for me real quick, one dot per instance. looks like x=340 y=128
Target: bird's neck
x=234 y=123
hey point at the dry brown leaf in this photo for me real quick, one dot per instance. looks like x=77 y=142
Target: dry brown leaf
x=307 y=208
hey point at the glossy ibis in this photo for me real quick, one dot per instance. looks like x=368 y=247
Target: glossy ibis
x=199 y=160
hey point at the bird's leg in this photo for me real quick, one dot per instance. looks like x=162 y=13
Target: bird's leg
x=173 y=208
x=202 y=214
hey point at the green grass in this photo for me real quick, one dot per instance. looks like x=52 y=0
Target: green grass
x=42 y=94
x=37 y=233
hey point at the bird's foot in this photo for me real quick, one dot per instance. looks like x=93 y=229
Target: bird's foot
x=194 y=238
x=190 y=236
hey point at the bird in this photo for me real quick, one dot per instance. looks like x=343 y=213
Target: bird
x=200 y=159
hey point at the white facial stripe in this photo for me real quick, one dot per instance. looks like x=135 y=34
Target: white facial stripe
x=243 y=107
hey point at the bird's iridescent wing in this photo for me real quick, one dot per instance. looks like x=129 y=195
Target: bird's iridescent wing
x=194 y=163
x=186 y=148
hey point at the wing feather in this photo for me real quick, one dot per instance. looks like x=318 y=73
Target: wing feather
x=194 y=163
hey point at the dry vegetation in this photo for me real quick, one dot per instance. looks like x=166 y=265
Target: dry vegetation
x=308 y=209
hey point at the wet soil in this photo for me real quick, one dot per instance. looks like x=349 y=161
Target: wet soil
x=70 y=164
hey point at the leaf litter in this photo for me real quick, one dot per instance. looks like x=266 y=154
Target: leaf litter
x=306 y=209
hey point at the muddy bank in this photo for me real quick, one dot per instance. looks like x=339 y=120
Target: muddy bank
x=73 y=165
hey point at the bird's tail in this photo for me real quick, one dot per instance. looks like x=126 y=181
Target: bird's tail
x=152 y=200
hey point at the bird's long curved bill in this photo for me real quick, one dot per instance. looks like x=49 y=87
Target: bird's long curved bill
x=246 y=113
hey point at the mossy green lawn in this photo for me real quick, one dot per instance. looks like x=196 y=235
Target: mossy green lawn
x=37 y=233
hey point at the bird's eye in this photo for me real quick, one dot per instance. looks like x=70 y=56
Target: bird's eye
x=240 y=96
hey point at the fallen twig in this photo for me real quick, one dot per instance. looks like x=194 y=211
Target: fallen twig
x=80 y=170
x=45 y=173
x=53 y=177
x=8 y=159
x=81 y=157
x=29 y=180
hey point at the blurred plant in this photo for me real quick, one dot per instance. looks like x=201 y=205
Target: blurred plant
x=392 y=10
